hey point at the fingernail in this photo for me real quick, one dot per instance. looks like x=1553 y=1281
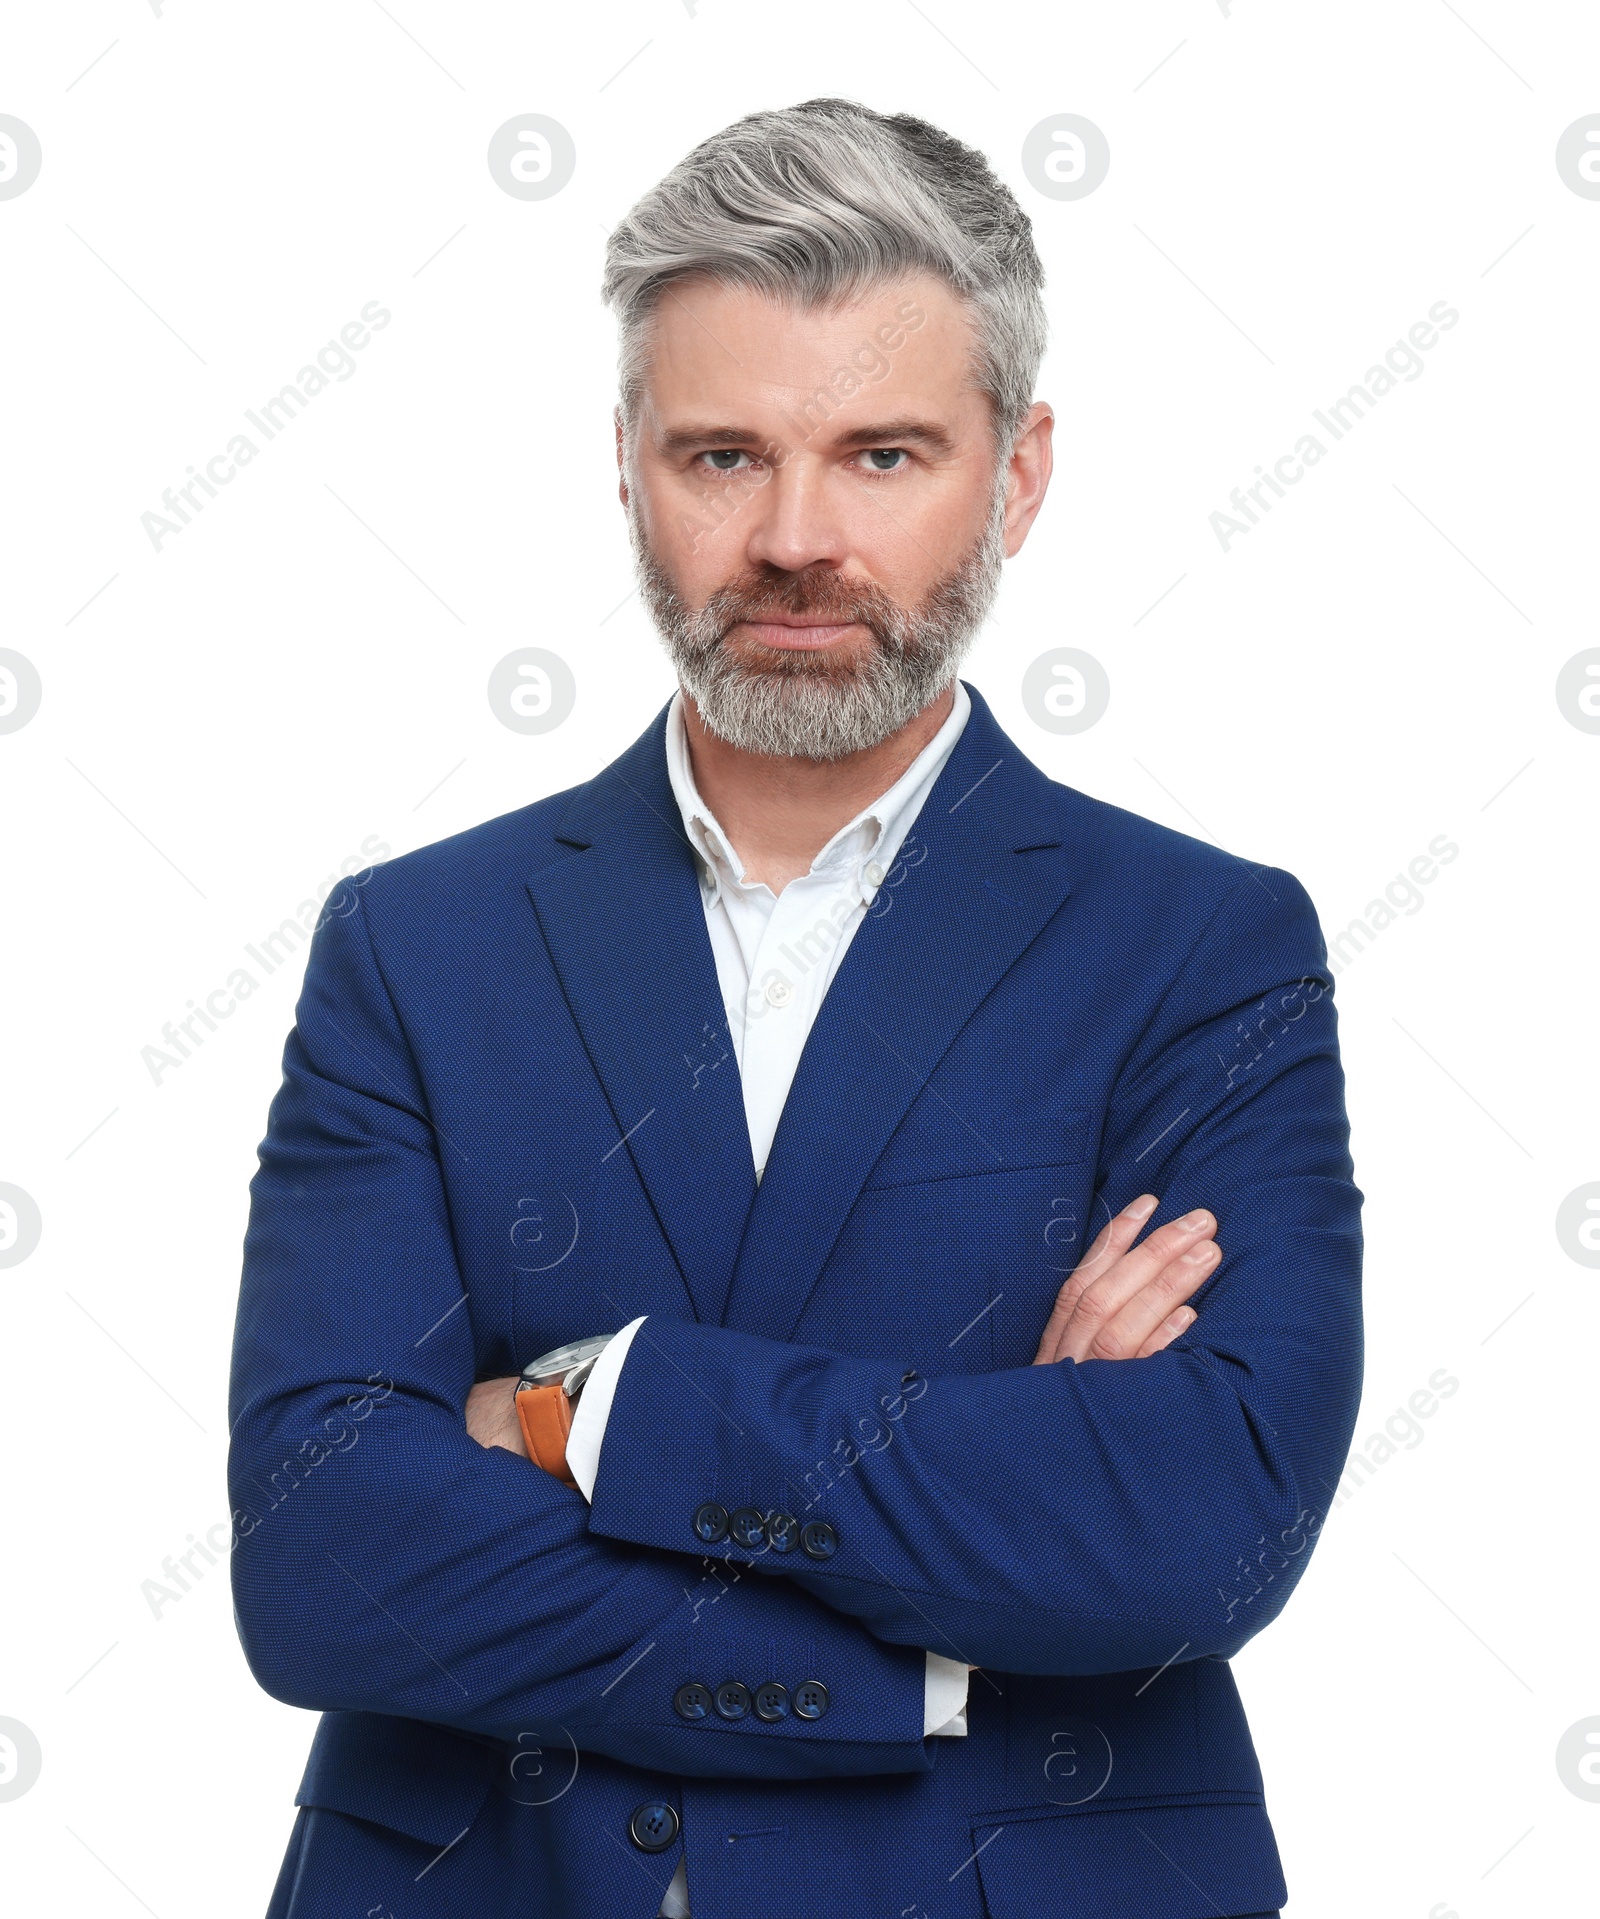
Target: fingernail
x=1142 y=1207
x=1183 y=1318
x=1191 y=1222
x=1202 y=1255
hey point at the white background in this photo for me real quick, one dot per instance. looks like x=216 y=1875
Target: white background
x=226 y=720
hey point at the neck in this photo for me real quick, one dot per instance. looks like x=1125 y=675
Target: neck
x=780 y=812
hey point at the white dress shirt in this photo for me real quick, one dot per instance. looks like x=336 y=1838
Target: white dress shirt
x=776 y=955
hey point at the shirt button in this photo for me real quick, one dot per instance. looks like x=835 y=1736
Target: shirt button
x=779 y=992
x=874 y=873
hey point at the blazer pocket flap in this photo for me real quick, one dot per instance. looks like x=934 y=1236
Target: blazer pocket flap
x=931 y=1142
x=425 y=1781
x=1156 y=1862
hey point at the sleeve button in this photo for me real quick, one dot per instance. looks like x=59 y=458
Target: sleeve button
x=733 y=1699
x=772 y=1701
x=818 y=1539
x=692 y=1701
x=811 y=1699
x=748 y=1527
x=710 y=1522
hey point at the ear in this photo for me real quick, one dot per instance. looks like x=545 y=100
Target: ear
x=622 y=476
x=1031 y=465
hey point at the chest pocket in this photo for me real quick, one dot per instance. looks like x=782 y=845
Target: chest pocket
x=935 y=1141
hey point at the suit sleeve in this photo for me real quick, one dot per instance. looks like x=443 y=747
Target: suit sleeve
x=945 y=1702
x=1077 y=1519
x=383 y=1560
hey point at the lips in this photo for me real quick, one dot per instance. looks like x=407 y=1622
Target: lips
x=806 y=636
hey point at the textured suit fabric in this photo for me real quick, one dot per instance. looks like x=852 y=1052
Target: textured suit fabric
x=330 y=1854
x=509 y=1117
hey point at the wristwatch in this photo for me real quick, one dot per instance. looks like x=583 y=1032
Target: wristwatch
x=546 y=1397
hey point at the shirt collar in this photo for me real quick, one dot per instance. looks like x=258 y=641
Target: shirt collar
x=866 y=845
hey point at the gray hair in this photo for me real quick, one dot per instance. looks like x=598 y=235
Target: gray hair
x=820 y=202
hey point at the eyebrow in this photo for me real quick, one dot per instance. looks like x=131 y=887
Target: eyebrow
x=892 y=432
x=679 y=439
x=682 y=439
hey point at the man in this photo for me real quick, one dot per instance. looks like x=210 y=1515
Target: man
x=880 y=1548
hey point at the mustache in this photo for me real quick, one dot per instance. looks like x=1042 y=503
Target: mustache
x=820 y=596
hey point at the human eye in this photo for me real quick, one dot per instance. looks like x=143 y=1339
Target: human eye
x=884 y=459
x=721 y=459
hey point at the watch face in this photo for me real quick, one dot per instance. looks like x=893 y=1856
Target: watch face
x=561 y=1360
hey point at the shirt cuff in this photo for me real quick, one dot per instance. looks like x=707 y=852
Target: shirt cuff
x=945 y=1701
x=594 y=1409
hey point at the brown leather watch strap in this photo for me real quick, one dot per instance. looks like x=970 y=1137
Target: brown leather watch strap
x=545 y=1414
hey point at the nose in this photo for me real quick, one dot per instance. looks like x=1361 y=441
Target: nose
x=795 y=520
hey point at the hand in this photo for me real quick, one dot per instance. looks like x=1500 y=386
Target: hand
x=492 y=1415
x=1127 y=1304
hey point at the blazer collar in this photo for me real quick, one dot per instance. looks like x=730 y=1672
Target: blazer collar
x=980 y=875
x=626 y=930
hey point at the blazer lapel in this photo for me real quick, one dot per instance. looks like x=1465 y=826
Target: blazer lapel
x=960 y=916
x=625 y=925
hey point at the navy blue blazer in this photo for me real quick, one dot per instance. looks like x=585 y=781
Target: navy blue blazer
x=510 y=1116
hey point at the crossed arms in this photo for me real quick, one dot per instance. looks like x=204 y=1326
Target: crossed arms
x=1053 y=1518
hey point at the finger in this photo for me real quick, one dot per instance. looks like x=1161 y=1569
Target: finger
x=1121 y=1336
x=1167 y=1331
x=1105 y=1297
x=1110 y=1243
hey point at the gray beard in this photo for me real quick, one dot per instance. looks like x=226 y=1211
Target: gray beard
x=801 y=706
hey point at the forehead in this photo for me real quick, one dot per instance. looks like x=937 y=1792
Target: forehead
x=718 y=348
